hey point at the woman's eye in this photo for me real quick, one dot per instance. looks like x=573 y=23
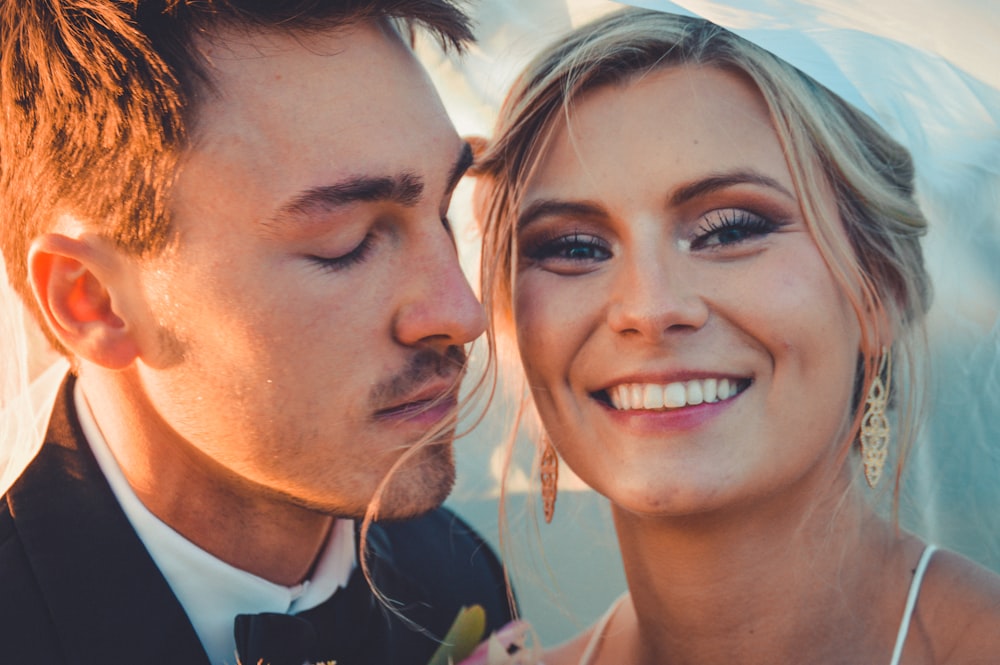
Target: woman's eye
x=572 y=248
x=724 y=228
x=358 y=254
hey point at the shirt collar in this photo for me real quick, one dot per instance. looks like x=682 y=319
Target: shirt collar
x=211 y=591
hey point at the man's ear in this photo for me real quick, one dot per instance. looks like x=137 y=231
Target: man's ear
x=72 y=279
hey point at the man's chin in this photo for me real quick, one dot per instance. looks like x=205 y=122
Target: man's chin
x=417 y=490
x=418 y=486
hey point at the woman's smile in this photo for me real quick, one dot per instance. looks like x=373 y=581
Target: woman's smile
x=687 y=345
x=673 y=395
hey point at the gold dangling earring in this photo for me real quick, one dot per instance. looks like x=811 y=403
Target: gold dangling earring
x=874 y=424
x=549 y=468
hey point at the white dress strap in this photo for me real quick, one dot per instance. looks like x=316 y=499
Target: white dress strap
x=911 y=603
x=599 y=629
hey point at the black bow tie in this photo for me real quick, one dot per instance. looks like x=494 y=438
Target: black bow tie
x=275 y=639
x=337 y=630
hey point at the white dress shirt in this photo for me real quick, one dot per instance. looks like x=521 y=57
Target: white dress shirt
x=211 y=591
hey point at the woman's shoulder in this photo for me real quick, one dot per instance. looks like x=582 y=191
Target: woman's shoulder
x=569 y=652
x=580 y=650
x=958 y=612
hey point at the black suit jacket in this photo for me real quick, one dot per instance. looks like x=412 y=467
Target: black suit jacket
x=78 y=586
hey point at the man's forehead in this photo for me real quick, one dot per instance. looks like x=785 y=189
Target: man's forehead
x=335 y=114
x=228 y=39
x=240 y=60
x=355 y=80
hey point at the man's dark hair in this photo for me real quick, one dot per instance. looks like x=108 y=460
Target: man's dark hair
x=97 y=97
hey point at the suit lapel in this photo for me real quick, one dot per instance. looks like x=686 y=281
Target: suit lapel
x=107 y=598
x=402 y=640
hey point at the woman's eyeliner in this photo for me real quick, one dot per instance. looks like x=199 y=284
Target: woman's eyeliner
x=732 y=226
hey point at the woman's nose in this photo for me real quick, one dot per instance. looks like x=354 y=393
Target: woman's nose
x=656 y=293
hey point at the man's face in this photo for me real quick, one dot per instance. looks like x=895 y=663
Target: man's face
x=306 y=327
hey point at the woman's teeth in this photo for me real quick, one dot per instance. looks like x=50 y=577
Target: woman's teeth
x=630 y=396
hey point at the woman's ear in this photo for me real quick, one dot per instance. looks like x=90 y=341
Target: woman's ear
x=72 y=279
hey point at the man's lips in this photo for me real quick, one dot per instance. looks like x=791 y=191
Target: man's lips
x=438 y=398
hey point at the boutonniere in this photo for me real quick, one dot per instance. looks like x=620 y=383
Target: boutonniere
x=514 y=644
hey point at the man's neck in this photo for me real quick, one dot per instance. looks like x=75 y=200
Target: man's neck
x=207 y=504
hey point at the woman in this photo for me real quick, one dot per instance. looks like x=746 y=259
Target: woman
x=711 y=268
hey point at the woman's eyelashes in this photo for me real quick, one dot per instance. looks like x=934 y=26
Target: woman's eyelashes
x=728 y=228
x=568 y=248
x=342 y=261
x=578 y=251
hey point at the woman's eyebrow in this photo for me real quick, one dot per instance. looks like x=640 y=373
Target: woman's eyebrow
x=556 y=207
x=680 y=196
x=718 y=181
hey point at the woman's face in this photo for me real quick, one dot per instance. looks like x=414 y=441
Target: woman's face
x=685 y=342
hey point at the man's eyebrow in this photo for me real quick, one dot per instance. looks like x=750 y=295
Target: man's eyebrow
x=719 y=181
x=461 y=165
x=557 y=208
x=404 y=189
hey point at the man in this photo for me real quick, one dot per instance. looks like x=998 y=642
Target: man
x=231 y=216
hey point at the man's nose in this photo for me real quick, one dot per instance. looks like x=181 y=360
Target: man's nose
x=439 y=308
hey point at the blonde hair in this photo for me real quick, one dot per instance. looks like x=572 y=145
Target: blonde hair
x=828 y=144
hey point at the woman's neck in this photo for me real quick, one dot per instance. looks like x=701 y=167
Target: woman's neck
x=768 y=583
